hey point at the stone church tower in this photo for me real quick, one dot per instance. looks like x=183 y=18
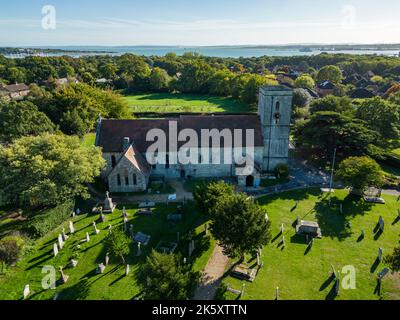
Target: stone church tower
x=275 y=109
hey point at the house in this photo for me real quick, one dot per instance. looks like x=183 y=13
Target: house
x=227 y=144
x=361 y=93
x=325 y=88
x=14 y=91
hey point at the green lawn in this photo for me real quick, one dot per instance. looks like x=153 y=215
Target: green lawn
x=84 y=283
x=302 y=274
x=396 y=152
x=167 y=102
x=88 y=140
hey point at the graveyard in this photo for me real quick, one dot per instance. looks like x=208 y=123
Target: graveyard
x=304 y=272
x=92 y=274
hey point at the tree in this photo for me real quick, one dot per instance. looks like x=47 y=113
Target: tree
x=23 y=118
x=301 y=98
x=195 y=77
x=334 y=104
x=47 y=170
x=394 y=260
x=325 y=131
x=159 y=79
x=382 y=116
x=305 y=81
x=360 y=173
x=16 y=75
x=207 y=195
x=134 y=69
x=250 y=89
x=330 y=73
x=118 y=244
x=10 y=249
x=163 y=277
x=239 y=224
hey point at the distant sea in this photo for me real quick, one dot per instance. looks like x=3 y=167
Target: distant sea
x=217 y=51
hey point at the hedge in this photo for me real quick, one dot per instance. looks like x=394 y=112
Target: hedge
x=50 y=219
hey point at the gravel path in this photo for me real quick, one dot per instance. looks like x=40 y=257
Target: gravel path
x=212 y=275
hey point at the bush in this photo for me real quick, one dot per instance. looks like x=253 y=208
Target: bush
x=10 y=249
x=282 y=171
x=50 y=219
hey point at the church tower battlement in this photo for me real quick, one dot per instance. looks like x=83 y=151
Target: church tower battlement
x=275 y=110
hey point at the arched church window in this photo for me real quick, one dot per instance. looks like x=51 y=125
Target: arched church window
x=113 y=161
x=127 y=181
x=277 y=106
x=118 y=179
x=134 y=179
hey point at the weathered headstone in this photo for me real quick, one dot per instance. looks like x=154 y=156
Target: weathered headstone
x=109 y=228
x=87 y=237
x=380 y=254
x=108 y=206
x=337 y=286
x=60 y=241
x=55 y=249
x=381 y=223
x=73 y=214
x=102 y=217
x=71 y=227
x=96 y=231
x=100 y=268
x=107 y=259
x=27 y=291
x=139 y=251
x=277 y=293
x=73 y=263
x=64 y=277
x=282 y=228
x=64 y=235
x=127 y=270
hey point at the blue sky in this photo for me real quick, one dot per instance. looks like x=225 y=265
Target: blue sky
x=200 y=22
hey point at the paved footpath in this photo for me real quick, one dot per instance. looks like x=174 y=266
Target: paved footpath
x=212 y=276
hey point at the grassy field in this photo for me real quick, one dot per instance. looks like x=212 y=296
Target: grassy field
x=83 y=281
x=166 y=102
x=305 y=274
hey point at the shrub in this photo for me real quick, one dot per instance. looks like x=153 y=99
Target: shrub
x=10 y=249
x=282 y=171
x=50 y=219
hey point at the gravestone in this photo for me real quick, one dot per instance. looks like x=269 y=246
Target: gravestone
x=73 y=263
x=108 y=206
x=60 y=241
x=102 y=217
x=266 y=217
x=64 y=236
x=87 y=237
x=139 y=251
x=277 y=293
x=125 y=224
x=73 y=214
x=71 y=227
x=127 y=270
x=64 y=277
x=55 y=249
x=184 y=260
x=381 y=224
x=27 y=291
x=100 y=268
x=380 y=254
x=96 y=231
x=78 y=212
x=109 y=228
x=107 y=260
x=282 y=228
x=337 y=287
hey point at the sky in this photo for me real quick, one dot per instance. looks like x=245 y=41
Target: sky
x=197 y=22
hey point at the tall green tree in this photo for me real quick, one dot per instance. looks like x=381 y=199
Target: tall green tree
x=334 y=104
x=330 y=73
x=159 y=79
x=360 y=173
x=207 y=195
x=23 y=118
x=164 y=277
x=239 y=224
x=47 y=170
x=305 y=81
x=118 y=243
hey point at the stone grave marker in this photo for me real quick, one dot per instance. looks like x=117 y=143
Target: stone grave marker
x=60 y=241
x=380 y=254
x=100 y=268
x=107 y=259
x=87 y=237
x=27 y=291
x=381 y=224
x=127 y=270
x=55 y=249
x=64 y=235
x=64 y=277
x=139 y=251
x=71 y=227
x=96 y=231
x=73 y=263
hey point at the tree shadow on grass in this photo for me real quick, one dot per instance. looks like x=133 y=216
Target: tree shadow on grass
x=295 y=195
x=375 y=265
x=332 y=295
x=327 y=282
x=78 y=291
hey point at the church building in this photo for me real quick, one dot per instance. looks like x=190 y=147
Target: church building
x=125 y=145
